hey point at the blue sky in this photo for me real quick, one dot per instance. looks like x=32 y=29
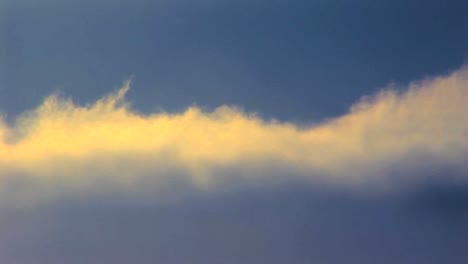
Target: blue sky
x=219 y=131
x=315 y=58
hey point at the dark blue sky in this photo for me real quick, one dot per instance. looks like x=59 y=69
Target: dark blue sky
x=291 y=60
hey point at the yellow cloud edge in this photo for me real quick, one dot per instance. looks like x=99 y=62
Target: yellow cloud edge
x=62 y=138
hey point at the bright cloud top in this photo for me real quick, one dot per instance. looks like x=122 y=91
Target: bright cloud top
x=67 y=143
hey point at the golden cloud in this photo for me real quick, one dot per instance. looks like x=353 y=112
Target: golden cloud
x=67 y=143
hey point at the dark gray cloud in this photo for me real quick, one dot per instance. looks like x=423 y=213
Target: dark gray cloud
x=291 y=223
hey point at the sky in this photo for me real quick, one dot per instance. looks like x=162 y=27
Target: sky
x=219 y=131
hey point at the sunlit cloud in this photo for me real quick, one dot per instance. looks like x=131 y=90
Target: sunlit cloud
x=63 y=144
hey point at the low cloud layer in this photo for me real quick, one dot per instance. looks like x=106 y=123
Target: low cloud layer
x=64 y=145
x=286 y=225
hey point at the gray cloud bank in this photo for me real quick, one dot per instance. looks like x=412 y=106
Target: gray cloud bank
x=293 y=223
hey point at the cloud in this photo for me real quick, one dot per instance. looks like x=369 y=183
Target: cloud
x=63 y=145
x=293 y=224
